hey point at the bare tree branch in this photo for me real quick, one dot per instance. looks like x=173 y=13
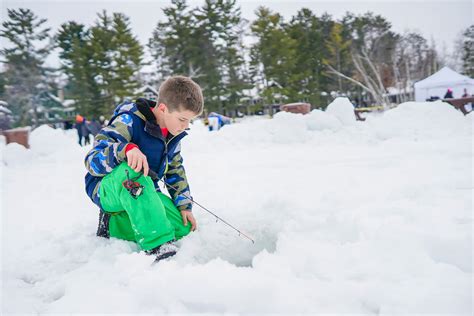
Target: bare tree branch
x=374 y=69
x=360 y=68
x=334 y=71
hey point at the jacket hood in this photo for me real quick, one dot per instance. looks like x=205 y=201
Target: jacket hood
x=141 y=108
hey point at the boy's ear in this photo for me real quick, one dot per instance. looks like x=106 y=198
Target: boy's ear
x=161 y=107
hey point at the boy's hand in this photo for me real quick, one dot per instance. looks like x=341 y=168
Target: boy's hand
x=137 y=160
x=188 y=216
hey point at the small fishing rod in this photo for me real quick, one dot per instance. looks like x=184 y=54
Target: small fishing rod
x=153 y=175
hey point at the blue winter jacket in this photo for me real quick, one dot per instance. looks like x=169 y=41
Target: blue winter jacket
x=163 y=154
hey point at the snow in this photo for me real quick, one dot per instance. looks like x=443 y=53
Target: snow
x=68 y=103
x=395 y=90
x=146 y=87
x=4 y=109
x=343 y=110
x=369 y=217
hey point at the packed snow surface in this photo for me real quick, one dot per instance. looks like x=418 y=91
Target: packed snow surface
x=369 y=217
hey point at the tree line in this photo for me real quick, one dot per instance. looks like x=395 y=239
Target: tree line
x=233 y=59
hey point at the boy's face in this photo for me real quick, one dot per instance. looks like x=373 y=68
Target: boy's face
x=175 y=121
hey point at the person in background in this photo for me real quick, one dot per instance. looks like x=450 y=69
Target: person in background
x=465 y=94
x=94 y=127
x=467 y=106
x=213 y=122
x=86 y=133
x=216 y=121
x=449 y=94
x=79 y=126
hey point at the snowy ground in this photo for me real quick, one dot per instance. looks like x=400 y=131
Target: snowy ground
x=369 y=217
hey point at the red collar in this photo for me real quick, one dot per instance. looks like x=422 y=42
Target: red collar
x=164 y=130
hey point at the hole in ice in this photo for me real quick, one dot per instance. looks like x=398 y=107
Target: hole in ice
x=228 y=245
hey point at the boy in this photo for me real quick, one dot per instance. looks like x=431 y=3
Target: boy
x=144 y=137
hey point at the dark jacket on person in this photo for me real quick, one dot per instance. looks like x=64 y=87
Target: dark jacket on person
x=448 y=95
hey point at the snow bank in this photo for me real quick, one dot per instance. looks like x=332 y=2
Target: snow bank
x=46 y=144
x=319 y=120
x=16 y=154
x=46 y=140
x=417 y=119
x=369 y=217
x=342 y=109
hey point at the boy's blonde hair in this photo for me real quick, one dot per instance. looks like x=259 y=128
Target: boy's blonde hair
x=181 y=93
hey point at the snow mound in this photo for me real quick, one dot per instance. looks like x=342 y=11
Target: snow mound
x=343 y=110
x=46 y=141
x=287 y=128
x=420 y=119
x=15 y=154
x=319 y=120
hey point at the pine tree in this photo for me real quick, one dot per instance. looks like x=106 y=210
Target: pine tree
x=74 y=41
x=24 y=61
x=305 y=81
x=205 y=44
x=221 y=25
x=468 y=52
x=326 y=82
x=273 y=56
x=2 y=85
x=102 y=50
x=209 y=29
x=231 y=53
x=116 y=59
x=174 y=44
x=338 y=52
x=127 y=58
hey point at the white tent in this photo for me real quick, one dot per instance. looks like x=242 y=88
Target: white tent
x=438 y=83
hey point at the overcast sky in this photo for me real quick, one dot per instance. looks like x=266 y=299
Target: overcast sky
x=442 y=20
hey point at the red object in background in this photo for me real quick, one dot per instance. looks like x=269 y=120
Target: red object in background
x=303 y=108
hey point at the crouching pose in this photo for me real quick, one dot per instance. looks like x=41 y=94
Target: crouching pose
x=143 y=138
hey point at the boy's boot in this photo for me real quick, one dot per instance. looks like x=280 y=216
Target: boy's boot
x=103 y=227
x=164 y=251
